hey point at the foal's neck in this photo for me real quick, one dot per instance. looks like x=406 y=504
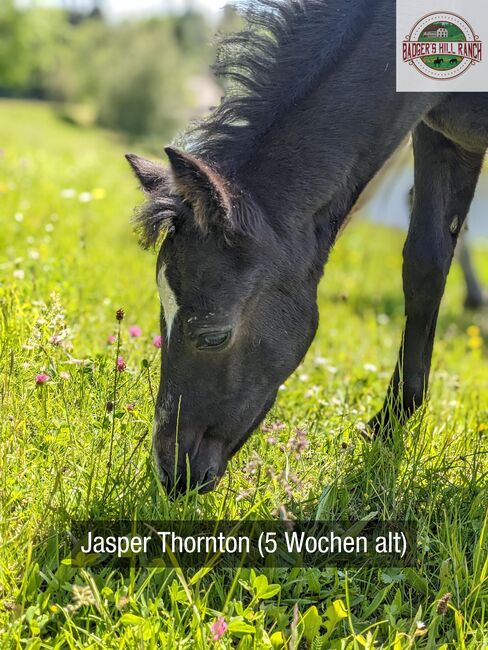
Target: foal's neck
x=316 y=160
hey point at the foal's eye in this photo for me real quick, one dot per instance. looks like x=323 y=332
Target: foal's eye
x=213 y=340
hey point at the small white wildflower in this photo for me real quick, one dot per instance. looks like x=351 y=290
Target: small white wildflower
x=304 y=377
x=421 y=629
x=382 y=319
x=370 y=367
x=67 y=193
x=84 y=197
x=19 y=217
x=320 y=361
x=283 y=513
x=244 y=494
x=122 y=602
x=311 y=392
x=282 y=387
x=332 y=369
x=49 y=227
x=82 y=595
x=34 y=255
x=19 y=274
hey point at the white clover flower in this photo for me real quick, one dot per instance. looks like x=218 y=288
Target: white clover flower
x=311 y=392
x=370 y=367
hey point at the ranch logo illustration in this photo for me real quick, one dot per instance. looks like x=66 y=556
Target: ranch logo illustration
x=442 y=46
x=441 y=49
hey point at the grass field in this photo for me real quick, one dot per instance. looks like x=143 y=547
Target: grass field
x=445 y=61
x=68 y=261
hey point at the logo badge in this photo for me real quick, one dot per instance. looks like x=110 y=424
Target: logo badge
x=442 y=46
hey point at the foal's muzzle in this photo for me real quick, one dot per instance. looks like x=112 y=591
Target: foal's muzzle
x=197 y=462
x=179 y=483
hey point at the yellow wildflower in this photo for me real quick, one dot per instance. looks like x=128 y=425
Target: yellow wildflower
x=475 y=342
x=98 y=193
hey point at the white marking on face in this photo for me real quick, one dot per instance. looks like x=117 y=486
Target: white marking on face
x=168 y=300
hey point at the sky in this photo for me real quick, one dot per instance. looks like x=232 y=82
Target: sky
x=126 y=8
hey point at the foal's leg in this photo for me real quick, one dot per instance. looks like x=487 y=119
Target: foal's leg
x=476 y=296
x=445 y=181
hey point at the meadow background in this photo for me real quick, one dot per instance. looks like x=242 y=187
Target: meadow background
x=75 y=433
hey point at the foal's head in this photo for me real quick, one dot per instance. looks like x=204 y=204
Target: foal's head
x=238 y=312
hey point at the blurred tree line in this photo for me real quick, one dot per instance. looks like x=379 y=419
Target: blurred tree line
x=132 y=76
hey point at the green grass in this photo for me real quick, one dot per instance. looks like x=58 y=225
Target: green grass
x=65 y=267
x=445 y=64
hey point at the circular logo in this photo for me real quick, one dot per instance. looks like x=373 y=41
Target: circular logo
x=442 y=46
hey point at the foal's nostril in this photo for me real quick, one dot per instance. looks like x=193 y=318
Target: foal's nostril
x=209 y=479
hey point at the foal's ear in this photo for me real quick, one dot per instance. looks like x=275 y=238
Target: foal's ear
x=202 y=187
x=151 y=175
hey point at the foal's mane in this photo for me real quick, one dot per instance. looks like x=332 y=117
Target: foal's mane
x=283 y=54
x=277 y=60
